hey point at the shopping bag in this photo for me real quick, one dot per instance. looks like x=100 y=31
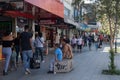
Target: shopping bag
x=34 y=63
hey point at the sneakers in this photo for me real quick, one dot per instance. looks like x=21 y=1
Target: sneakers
x=27 y=71
x=50 y=72
x=5 y=73
x=43 y=61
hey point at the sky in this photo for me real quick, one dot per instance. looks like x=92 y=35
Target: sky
x=89 y=1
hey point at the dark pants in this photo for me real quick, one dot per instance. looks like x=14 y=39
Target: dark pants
x=39 y=51
x=17 y=48
x=90 y=43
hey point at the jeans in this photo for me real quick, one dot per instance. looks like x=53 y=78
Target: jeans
x=39 y=51
x=51 y=67
x=7 y=53
x=27 y=54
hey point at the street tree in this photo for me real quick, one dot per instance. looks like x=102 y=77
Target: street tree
x=109 y=10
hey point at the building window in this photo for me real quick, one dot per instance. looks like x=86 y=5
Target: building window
x=76 y=14
x=67 y=12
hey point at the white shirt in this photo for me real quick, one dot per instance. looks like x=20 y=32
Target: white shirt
x=57 y=40
x=74 y=40
x=39 y=42
x=79 y=41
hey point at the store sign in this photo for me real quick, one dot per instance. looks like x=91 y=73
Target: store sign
x=12 y=5
x=62 y=26
x=18 y=4
x=47 y=22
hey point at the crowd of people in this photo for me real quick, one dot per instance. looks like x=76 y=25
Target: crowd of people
x=25 y=46
x=84 y=40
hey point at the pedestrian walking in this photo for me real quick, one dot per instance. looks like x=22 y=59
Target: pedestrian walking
x=39 y=43
x=85 y=40
x=96 y=42
x=73 y=42
x=89 y=42
x=79 y=44
x=26 y=48
x=100 y=40
x=17 y=48
x=7 y=42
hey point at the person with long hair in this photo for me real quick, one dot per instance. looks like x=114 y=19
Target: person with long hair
x=7 y=41
x=67 y=50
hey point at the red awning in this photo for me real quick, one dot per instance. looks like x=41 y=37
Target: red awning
x=52 y=6
x=18 y=14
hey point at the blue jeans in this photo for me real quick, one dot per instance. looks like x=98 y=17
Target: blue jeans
x=39 y=51
x=27 y=54
x=7 y=53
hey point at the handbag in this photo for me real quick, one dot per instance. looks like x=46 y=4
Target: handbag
x=34 y=63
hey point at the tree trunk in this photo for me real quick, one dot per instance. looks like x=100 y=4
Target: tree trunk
x=112 y=63
x=111 y=34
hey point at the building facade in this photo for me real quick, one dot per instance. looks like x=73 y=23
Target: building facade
x=69 y=18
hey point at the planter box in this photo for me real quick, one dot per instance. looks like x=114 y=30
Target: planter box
x=63 y=66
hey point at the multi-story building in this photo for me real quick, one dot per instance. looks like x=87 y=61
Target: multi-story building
x=69 y=18
x=89 y=13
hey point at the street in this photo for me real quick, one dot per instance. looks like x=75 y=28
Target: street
x=87 y=65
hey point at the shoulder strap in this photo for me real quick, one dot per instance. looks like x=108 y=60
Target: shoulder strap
x=40 y=40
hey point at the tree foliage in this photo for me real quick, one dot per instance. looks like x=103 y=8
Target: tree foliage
x=108 y=13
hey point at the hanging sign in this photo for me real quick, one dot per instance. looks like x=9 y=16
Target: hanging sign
x=17 y=4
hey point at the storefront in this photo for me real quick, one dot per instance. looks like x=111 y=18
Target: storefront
x=40 y=15
x=11 y=13
x=47 y=14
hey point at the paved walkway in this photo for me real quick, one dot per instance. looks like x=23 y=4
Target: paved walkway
x=87 y=66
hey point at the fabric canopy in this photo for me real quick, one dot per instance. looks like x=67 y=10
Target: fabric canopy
x=52 y=6
x=18 y=14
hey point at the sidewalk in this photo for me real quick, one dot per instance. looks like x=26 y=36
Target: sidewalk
x=88 y=65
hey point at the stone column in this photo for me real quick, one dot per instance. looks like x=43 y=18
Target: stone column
x=33 y=22
x=14 y=24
